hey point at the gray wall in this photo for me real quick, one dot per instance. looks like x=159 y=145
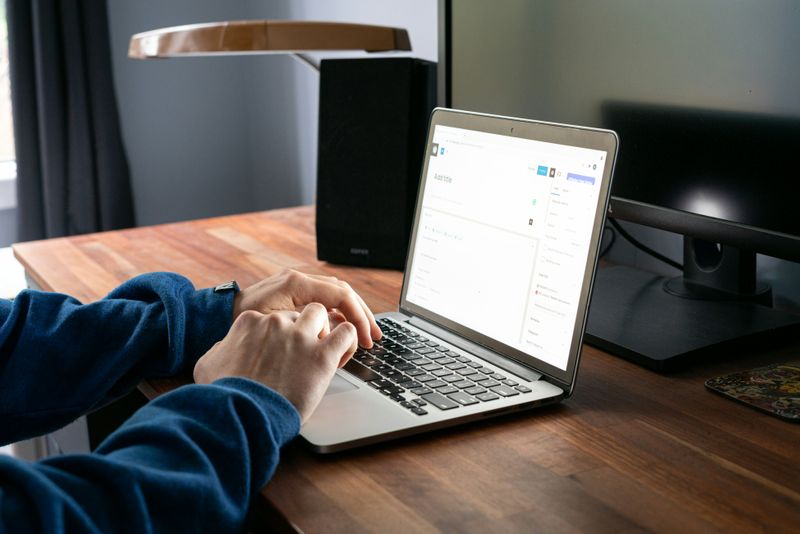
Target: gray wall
x=211 y=136
x=183 y=121
x=8 y=227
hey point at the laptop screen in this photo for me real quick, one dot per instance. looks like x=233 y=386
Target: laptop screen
x=503 y=237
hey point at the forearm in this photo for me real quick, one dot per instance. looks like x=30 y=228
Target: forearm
x=59 y=358
x=190 y=460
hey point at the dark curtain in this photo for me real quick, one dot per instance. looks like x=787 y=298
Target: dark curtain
x=72 y=172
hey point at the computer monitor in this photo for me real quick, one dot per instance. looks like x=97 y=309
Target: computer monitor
x=704 y=97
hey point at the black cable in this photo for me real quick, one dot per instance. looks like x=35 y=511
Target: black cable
x=612 y=239
x=644 y=248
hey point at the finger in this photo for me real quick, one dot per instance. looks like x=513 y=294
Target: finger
x=313 y=319
x=332 y=295
x=341 y=343
x=335 y=319
x=375 y=330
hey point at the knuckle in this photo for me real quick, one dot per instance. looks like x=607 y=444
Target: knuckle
x=316 y=307
x=274 y=320
x=247 y=318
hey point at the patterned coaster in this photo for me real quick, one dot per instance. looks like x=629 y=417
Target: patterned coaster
x=774 y=389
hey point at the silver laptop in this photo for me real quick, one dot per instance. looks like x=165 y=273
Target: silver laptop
x=497 y=282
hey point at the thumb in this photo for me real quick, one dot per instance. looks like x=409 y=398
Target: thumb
x=341 y=343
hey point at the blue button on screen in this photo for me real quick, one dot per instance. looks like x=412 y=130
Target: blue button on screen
x=542 y=170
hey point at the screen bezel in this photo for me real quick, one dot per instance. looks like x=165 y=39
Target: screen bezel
x=756 y=239
x=591 y=138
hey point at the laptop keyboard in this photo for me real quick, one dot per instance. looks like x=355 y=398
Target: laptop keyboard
x=419 y=373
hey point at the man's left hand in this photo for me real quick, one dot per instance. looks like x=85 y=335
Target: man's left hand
x=291 y=290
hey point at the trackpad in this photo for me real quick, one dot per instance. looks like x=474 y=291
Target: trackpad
x=339 y=385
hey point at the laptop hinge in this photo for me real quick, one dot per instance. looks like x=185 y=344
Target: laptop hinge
x=473 y=348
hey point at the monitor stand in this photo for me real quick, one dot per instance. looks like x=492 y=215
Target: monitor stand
x=664 y=323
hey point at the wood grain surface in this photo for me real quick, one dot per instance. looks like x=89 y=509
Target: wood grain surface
x=630 y=451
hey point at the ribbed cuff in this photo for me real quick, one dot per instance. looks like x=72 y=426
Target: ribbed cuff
x=276 y=407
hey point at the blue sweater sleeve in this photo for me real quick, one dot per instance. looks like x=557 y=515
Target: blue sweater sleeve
x=189 y=461
x=60 y=358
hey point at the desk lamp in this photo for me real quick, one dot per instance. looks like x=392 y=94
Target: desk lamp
x=265 y=37
x=373 y=118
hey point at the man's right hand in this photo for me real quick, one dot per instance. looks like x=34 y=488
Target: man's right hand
x=293 y=353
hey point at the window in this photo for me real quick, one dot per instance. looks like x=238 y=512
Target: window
x=8 y=167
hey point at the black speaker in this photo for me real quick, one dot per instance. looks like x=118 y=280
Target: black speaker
x=373 y=119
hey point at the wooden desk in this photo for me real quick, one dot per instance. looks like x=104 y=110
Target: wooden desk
x=631 y=450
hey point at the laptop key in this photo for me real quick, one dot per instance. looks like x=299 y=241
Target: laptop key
x=411 y=385
x=442 y=372
x=440 y=401
x=489 y=383
x=452 y=378
x=467 y=371
x=405 y=366
x=523 y=389
x=415 y=372
x=488 y=396
x=432 y=344
x=435 y=355
x=476 y=390
x=443 y=349
x=431 y=367
x=419 y=411
x=406 y=404
x=447 y=390
x=485 y=370
x=426 y=350
x=505 y=391
x=445 y=361
x=509 y=382
x=413 y=356
x=455 y=365
x=382 y=368
x=434 y=383
x=420 y=402
x=380 y=384
x=416 y=345
x=398 y=398
x=377 y=351
x=359 y=371
x=498 y=376
x=420 y=391
x=474 y=365
x=462 y=398
x=462 y=384
x=425 y=378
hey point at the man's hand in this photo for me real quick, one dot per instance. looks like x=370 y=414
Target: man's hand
x=290 y=290
x=293 y=353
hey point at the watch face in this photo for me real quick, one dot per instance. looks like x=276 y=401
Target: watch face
x=227 y=286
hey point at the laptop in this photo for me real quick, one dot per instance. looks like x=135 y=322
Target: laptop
x=495 y=295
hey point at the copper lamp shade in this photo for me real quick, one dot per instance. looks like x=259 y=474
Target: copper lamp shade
x=264 y=37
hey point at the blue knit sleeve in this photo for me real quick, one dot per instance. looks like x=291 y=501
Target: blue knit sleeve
x=60 y=358
x=190 y=461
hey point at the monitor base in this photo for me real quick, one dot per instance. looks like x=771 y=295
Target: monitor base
x=632 y=316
